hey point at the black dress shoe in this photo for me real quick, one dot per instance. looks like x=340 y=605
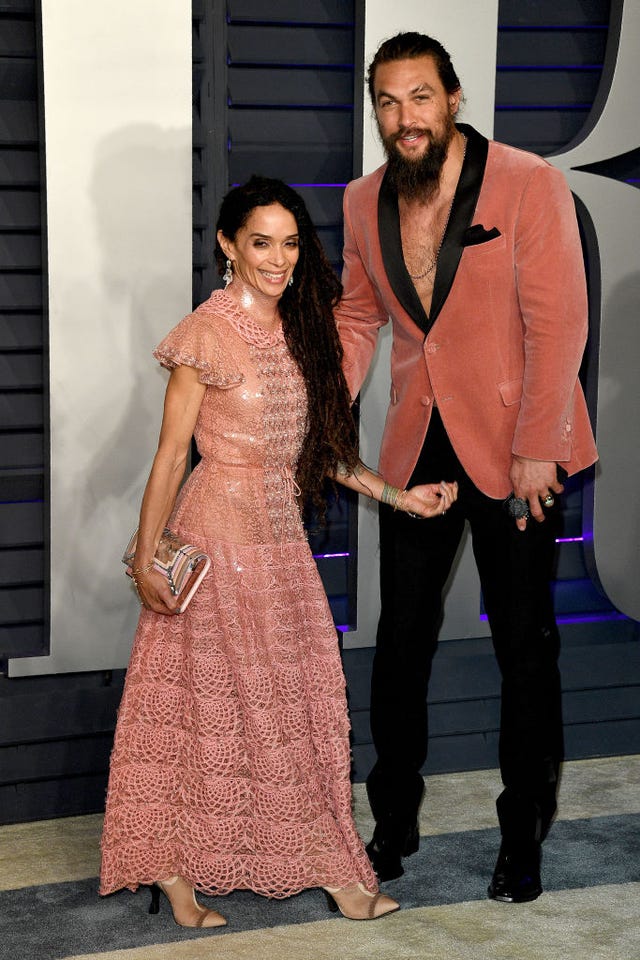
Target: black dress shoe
x=516 y=878
x=386 y=862
x=386 y=857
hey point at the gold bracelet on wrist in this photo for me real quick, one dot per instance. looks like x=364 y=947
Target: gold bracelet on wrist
x=144 y=569
x=390 y=495
x=396 y=499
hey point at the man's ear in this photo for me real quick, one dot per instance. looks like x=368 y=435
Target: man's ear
x=454 y=101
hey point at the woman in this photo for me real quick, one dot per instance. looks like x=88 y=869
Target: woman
x=230 y=767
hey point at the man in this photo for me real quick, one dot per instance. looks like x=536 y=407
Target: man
x=472 y=249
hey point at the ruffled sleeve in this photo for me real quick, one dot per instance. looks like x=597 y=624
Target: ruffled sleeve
x=196 y=342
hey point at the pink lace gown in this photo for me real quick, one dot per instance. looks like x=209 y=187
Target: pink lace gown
x=231 y=758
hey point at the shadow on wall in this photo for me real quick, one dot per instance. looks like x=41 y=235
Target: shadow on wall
x=139 y=220
x=142 y=279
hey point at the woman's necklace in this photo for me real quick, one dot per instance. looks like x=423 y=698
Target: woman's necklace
x=434 y=259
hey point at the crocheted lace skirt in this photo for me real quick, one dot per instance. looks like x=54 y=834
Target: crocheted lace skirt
x=231 y=759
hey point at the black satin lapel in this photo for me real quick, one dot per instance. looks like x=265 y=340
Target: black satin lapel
x=391 y=247
x=464 y=205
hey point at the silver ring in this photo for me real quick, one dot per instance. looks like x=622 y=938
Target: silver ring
x=549 y=500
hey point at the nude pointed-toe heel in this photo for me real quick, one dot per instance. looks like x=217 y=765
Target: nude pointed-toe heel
x=187 y=912
x=356 y=903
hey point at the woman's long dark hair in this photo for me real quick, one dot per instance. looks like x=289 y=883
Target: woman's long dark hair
x=310 y=331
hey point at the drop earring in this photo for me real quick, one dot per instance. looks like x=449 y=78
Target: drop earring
x=290 y=282
x=227 y=276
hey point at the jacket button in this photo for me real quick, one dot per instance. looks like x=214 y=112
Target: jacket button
x=432 y=347
x=425 y=401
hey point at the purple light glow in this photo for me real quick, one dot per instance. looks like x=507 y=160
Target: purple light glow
x=549 y=66
x=591 y=617
x=532 y=107
x=583 y=617
x=298 y=186
x=328 y=556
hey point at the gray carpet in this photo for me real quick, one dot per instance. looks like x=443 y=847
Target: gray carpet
x=61 y=920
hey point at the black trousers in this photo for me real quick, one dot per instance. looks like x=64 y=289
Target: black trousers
x=515 y=572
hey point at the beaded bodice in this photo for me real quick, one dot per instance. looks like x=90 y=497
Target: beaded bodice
x=250 y=427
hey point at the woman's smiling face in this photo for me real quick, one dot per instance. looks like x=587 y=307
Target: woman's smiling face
x=265 y=250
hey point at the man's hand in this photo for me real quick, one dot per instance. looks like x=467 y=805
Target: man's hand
x=534 y=480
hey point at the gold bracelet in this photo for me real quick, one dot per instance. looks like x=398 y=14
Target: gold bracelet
x=390 y=495
x=396 y=498
x=144 y=569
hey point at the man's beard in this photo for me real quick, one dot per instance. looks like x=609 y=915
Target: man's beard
x=418 y=179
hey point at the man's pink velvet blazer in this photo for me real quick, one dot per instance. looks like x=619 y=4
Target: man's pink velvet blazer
x=501 y=349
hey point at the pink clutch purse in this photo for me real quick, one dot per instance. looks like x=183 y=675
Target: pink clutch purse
x=181 y=563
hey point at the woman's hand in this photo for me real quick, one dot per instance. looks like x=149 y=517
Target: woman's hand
x=154 y=593
x=428 y=499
